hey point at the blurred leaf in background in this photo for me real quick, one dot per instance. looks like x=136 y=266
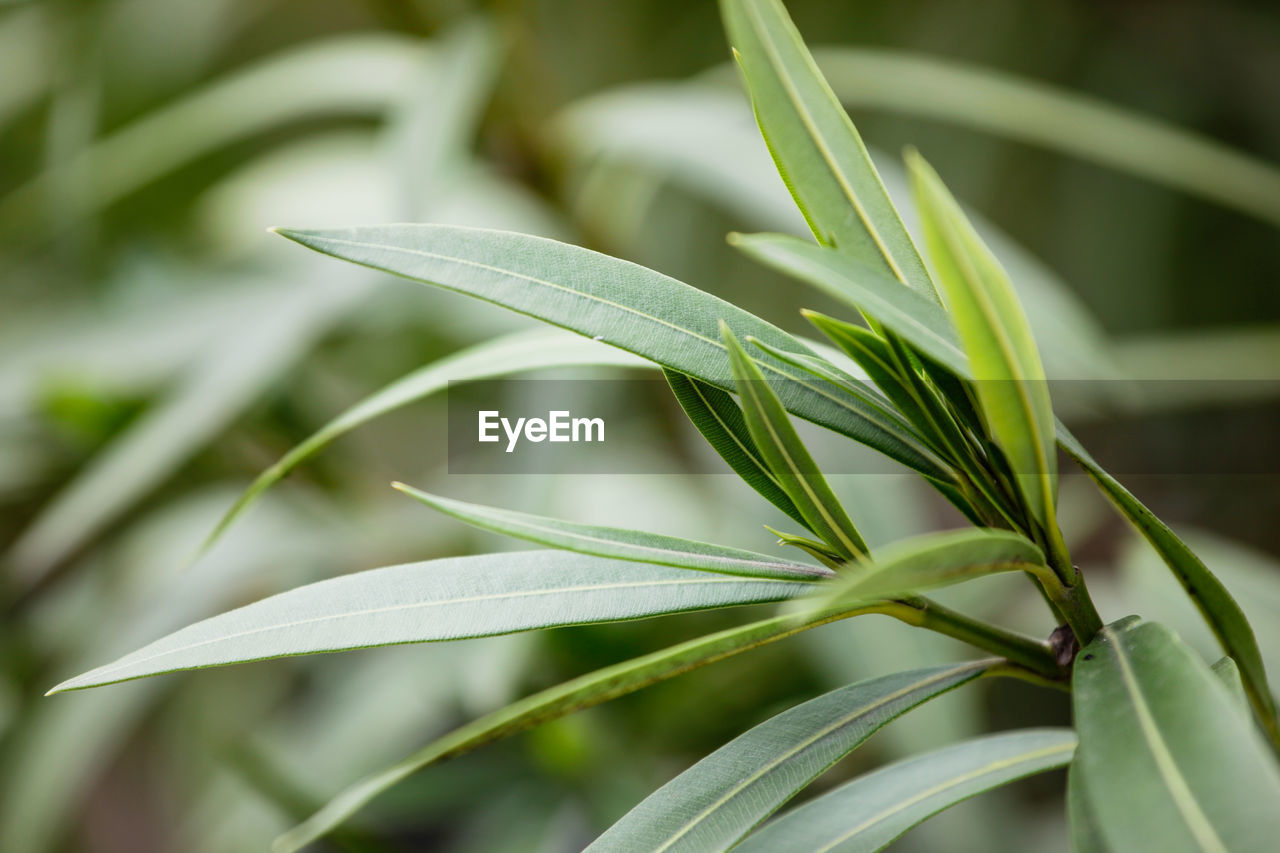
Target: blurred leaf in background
x=158 y=351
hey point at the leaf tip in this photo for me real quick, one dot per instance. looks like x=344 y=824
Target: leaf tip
x=297 y=235
x=62 y=687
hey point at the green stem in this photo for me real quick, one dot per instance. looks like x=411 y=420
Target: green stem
x=1067 y=590
x=1031 y=656
x=1034 y=655
x=1077 y=608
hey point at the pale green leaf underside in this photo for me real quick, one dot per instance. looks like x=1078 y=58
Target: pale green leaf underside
x=576 y=695
x=918 y=320
x=721 y=798
x=816 y=147
x=1171 y=762
x=787 y=457
x=1220 y=610
x=996 y=336
x=615 y=301
x=935 y=560
x=868 y=813
x=449 y=599
x=515 y=353
x=620 y=544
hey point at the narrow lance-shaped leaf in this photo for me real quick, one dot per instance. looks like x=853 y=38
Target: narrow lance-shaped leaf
x=563 y=699
x=1026 y=110
x=514 y=353
x=868 y=813
x=914 y=318
x=1009 y=377
x=353 y=74
x=714 y=413
x=823 y=369
x=615 y=543
x=450 y=599
x=786 y=456
x=1170 y=761
x=614 y=301
x=818 y=550
x=872 y=354
x=713 y=804
x=826 y=371
x=1220 y=610
x=922 y=404
x=935 y=560
x=815 y=146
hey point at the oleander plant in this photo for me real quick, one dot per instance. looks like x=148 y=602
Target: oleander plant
x=932 y=364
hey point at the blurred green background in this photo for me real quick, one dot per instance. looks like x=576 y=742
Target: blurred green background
x=158 y=349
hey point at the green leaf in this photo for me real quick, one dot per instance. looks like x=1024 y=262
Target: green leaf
x=715 y=414
x=363 y=74
x=786 y=456
x=1172 y=763
x=720 y=799
x=868 y=813
x=1082 y=824
x=872 y=354
x=450 y=599
x=818 y=550
x=692 y=135
x=226 y=378
x=620 y=303
x=916 y=319
x=575 y=695
x=615 y=543
x=514 y=353
x=1032 y=112
x=1229 y=674
x=826 y=371
x=993 y=328
x=935 y=560
x=815 y=146
x=1220 y=610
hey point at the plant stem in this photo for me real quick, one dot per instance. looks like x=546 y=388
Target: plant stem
x=1077 y=608
x=1034 y=660
x=1067 y=590
x=1029 y=653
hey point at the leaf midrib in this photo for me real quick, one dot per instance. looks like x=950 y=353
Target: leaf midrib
x=1006 y=348
x=869 y=707
x=1184 y=801
x=124 y=665
x=762 y=32
x=796 y=571
x=801 y=479
x=764 y=469
x=892 y=429
x=986 y=769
